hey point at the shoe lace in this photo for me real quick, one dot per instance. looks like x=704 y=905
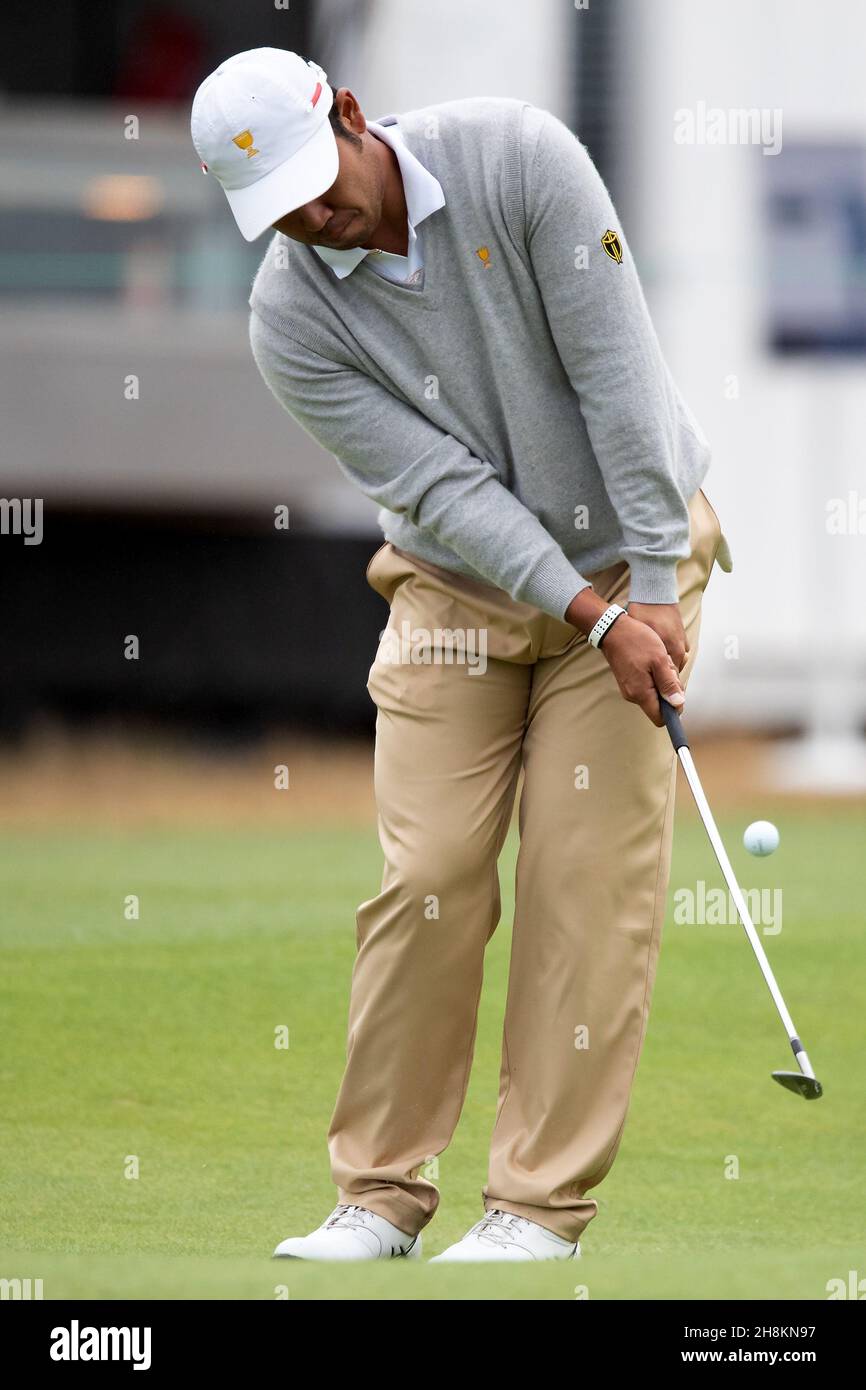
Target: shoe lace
x=500 y=1226
x=346 y=1215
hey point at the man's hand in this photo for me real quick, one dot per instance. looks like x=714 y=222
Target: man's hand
x=646 y=648
x=666 y=620
x=639 y=661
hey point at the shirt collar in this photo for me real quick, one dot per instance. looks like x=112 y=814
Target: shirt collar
x=422 y=191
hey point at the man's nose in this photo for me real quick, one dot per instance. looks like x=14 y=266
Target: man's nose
x=315 y=215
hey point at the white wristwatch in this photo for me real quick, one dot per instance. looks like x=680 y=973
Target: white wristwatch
x=605 y=622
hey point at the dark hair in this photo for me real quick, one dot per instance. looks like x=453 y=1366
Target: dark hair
x=341 y=131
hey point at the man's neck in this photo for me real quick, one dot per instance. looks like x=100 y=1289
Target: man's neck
x=392 y=233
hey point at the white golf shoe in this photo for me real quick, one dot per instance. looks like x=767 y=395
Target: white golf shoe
x=502 y=1236
x=352 y=1233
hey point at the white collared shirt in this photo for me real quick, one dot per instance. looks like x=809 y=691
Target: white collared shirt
x=423 y=195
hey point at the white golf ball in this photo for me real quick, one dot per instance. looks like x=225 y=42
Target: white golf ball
x=761 y=837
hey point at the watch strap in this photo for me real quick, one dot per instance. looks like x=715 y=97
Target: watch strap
x=604 y=624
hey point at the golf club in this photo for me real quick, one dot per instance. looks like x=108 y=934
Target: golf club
x=803 y=1081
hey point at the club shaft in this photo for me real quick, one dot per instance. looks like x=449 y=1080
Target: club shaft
x=715 y=838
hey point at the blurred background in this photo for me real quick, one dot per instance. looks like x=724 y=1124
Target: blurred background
x=733 y=140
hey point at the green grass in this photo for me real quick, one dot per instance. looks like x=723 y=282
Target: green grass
x=154 y=1038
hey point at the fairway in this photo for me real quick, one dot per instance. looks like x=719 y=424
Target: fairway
x=149 y=1044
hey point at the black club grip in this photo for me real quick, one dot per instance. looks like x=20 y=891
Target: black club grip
x=673 y=724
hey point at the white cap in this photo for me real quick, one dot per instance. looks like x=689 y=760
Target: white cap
x=260 y=126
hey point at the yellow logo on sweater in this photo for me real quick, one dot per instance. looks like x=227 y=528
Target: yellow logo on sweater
x=244 y=141
x=612 y=246
x=483 y=254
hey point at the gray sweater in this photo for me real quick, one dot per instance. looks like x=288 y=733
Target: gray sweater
x=513 y=416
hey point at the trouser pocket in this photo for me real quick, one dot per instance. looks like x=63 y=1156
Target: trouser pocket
x=722 y=554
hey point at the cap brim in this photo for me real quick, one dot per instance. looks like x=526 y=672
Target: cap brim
x=305 y=176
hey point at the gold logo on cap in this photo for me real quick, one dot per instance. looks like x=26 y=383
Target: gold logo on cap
x=612 y=246
x=244 y=141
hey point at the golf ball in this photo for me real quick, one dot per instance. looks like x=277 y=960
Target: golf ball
x=761 y=837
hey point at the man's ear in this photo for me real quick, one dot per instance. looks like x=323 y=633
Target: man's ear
x=350 y=111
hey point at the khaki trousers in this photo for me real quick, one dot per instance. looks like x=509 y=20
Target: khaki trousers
x=595 y=820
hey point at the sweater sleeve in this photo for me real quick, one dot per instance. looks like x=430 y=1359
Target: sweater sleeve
x=607 y=344
x=408 y=465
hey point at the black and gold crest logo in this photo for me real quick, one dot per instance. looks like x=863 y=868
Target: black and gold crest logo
x=612 y=246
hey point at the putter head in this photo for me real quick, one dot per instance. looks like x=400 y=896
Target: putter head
x=806 y=1086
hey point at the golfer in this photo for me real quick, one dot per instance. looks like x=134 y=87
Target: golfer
x=450 y=307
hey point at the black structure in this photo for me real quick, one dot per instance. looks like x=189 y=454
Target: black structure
x=146 y=50
x=238 y=630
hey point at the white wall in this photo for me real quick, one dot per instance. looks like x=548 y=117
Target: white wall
x=398 y=54
x=795 y=437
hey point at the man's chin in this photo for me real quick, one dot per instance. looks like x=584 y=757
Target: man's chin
x=352 y=243
x=349 y=241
